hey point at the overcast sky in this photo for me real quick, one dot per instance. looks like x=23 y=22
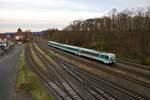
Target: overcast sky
x=43 y=14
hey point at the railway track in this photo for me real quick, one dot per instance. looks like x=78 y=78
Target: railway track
x=87 y=88
x=109 y=69
x=128 y=93
x=58 y=77
x=117 y=91
x=130 y=79
x=52 y=85
x=142 y=67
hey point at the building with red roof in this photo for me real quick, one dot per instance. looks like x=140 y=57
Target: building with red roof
x=19 y=35
x=2 y=37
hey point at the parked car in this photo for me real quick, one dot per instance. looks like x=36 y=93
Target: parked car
x=20 y=43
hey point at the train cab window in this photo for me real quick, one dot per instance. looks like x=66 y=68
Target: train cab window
x=110 y=58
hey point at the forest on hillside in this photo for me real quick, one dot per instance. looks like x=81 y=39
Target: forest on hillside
x=125 y=33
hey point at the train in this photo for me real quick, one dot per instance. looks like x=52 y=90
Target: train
x=105 y=57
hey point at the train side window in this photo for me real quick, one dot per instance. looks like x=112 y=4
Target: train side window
x=93 y=54
x=87 y=52
x=106 y=57
x=97 y=55
x=90 y=53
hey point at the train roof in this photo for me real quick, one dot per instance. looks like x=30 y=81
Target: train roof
x=89 y=50
x=95 y=51
x=71 y=46
x=54 y=42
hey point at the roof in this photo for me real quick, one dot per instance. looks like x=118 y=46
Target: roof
x=95 y=51
x=2 y=36
x=70 y=46
x=19 y=30
x=54 y=42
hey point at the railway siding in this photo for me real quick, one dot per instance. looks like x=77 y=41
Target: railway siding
x=51 y=85
x=95 y=71
x=98 y=72
x=36 y=58
x=28 y=85
x=66 y=82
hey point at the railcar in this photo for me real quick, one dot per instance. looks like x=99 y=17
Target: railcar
x=71 y=49
x=105 y=57
x=56 y=45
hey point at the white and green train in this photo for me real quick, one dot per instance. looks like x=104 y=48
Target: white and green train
x=105 y=57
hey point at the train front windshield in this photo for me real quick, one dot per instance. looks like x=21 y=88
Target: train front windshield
x=113 y=58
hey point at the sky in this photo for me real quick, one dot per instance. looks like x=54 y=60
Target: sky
x=38 y=15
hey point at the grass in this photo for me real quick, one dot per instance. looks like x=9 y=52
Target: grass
x=37 y=59
x=45 y=54
x=28 y=81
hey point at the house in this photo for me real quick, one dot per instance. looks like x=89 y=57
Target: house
x=20 y=36
x=3 y=37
